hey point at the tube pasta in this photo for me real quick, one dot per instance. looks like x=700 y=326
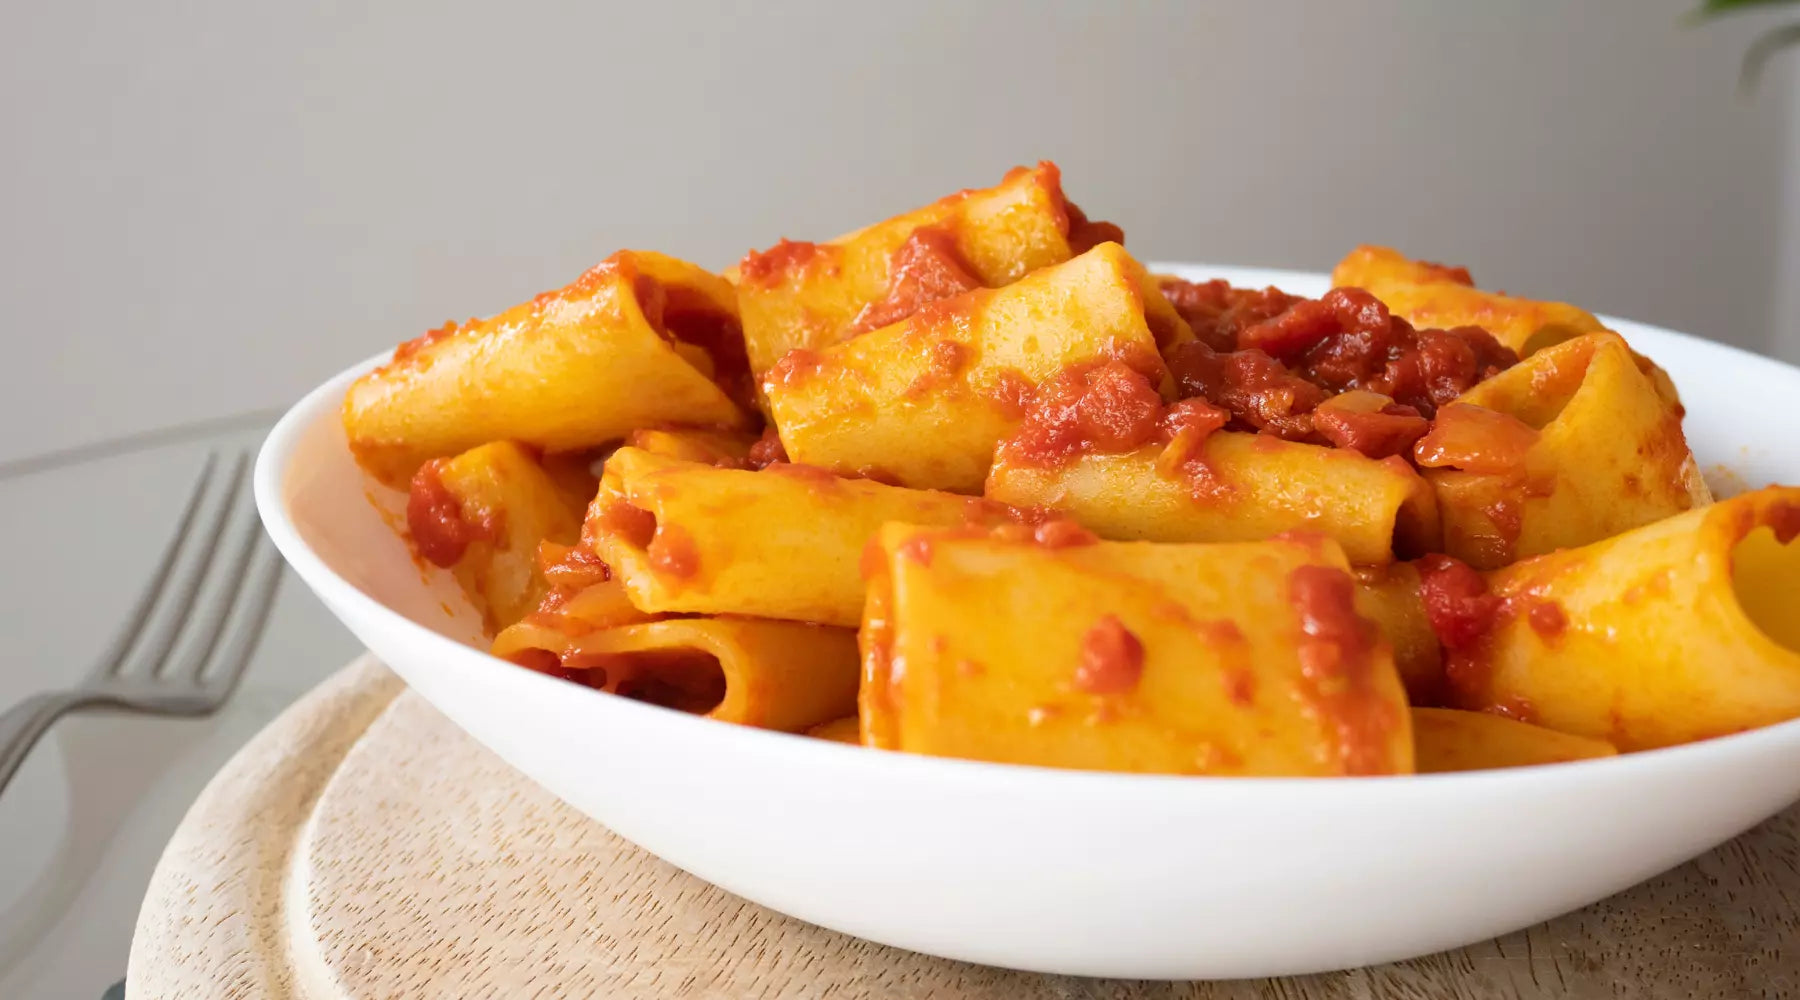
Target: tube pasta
x=1427 y=294
x=926 y=401
x=1590 y=641
x=857 y=490
x=1389 y=596
x=1249 y=487
x=483 y=514
x=780 y=543
x=1570 y=446
x=1129 y=656
x=710 y=447
x=1448 y=740
x=571 y=369
x=772 y=675
x=806 y=295
x=1432 y=295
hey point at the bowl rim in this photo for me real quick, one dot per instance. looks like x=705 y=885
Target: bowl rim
x=324 y=402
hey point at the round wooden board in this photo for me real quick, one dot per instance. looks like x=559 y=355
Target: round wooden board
x=363 y=847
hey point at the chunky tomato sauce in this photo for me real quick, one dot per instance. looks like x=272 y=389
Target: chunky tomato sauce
x=1109 y=408
x=1112 y=658
x=1457 y=602
x=1085 y=234
x=926 y=268
x=1274 y=361
x=1337 y=648
x=437 y=522
x=1370 y=423
x=1476 y=439
x=767 y=450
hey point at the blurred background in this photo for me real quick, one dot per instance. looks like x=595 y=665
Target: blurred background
x=210 y=206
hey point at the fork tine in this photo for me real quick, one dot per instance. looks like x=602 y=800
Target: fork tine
x=113 y=659
x=250 y=613
x=176 y=603
x=216 y=606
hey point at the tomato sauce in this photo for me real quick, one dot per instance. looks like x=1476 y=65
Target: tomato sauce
x=767 y=450
x=1476 y=439
x=436 y=520
x=1272 y=360
x=795 y=368
x=1103 y=407
x=1010 y=393
x=770 y=267
x=1457 y=602
x=1783 y=518
x=424 y=340
x=573 y=569
x=1217 y=311
x=1085 y=234
x=944 y=364
x=1259 y=392
x=1112 y=658
x=671 y=552
x=634 y=525
x=926 y=268
x=1369 y=423
x=1336 y=651
x=1547 y=619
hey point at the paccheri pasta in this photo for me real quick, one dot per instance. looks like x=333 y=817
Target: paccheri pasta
x=972 y=482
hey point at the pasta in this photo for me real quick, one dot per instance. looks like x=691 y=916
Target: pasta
x=813 y=296
x=1449 y=740
x=783 y=542
x=971 y=482
x=1249 y=487
x=1588 y=641
x=1570 y=446
x=1188 y=659
x=926 y=400
x=776 y=675
x=571 y=369
x=483 y=514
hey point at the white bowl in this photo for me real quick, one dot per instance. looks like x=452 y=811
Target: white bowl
x=1064 y=871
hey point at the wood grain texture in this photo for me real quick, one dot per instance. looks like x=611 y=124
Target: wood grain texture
x=363 y=847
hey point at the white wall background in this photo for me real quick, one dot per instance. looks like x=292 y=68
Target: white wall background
x=209 y=206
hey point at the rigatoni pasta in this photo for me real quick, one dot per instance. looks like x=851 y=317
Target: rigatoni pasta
x=971 y=482
x=571 y=369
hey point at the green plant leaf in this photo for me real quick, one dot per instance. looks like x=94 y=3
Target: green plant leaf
x=1762 y=50
x=1719 y=8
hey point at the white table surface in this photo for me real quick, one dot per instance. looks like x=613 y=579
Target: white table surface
x=85 y=819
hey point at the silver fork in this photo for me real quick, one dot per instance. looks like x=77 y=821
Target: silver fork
x=192 y=630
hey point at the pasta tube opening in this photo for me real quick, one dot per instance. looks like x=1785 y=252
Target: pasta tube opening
x=1765 y=577
x=775 y=675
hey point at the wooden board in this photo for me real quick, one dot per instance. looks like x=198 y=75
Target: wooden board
x=363 y=847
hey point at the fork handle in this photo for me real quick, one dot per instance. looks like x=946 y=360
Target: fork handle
x=23 y=723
